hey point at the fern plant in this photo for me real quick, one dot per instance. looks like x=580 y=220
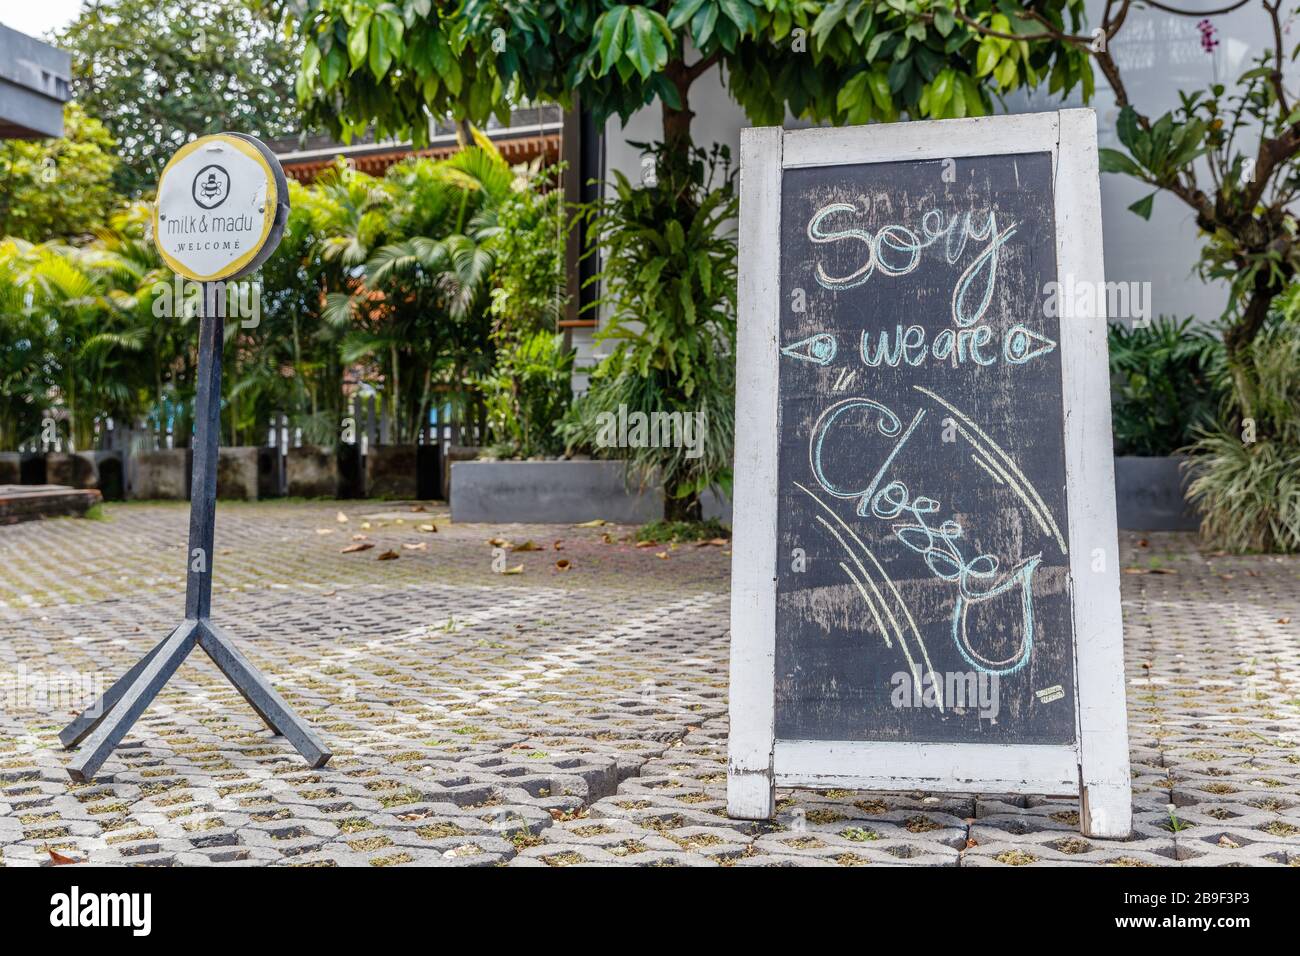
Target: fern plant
x=669 y=282
x=1161 y=388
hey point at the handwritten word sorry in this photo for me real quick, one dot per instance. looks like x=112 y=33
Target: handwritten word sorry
x=895 y=250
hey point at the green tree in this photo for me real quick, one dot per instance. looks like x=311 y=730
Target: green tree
x=843 y=61
x=416 y=304
x=159 y=72
x=393 y=63
x=58 y=188
x=669 y=284
x=1229 y=155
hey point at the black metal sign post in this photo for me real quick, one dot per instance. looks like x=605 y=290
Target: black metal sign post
x=107 y=721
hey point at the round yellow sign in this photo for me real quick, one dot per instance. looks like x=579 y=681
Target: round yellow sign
x=222 y=205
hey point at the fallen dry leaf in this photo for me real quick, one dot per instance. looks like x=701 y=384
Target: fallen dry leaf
x=647 y=544
x=594 y=523
x=517 y=569
x=563 y=564
x=558 y=546
x=389 y=555
x=359 y=546
x=58 y=859
x=607 y=538
x=429 y=528
x=662 y=555
x=1163 y=571
x=418 y=508
x=1136 y=571
x=365 y=526
x=1143 y=543
x=324 y=530
x=499 y=542
x=1284 y=620
x=360 y=537
x=341 y=518
x=526 y=546
x=421 y=546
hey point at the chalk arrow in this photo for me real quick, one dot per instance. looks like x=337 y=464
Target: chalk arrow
x=819 y=349
x=1022 y=344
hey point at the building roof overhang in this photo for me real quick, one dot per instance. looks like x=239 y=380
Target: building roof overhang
x=35 y=82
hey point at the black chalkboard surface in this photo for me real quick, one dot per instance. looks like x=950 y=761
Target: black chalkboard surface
x=922 y=578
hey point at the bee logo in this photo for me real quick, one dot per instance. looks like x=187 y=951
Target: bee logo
x=211 y=186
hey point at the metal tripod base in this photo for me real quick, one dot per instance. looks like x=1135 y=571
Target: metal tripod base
x=107 y=721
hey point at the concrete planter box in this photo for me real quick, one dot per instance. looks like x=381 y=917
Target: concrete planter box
x=237 y=474
x=72 y=469
x=1149 y=495
x=548 y=492
x=456 y=453
x=11 y=468
x=392 y=471
x=161 y=475
x=101 y=470
x=312 y=471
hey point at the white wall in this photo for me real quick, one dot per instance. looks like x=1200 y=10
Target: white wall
x=1158 y=54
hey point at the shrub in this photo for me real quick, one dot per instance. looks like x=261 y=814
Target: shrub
x=1247 y=482
x=1161 y=388
x=669 y=283
x=527 y=394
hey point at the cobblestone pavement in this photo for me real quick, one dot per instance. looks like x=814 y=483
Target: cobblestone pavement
x=562 y=716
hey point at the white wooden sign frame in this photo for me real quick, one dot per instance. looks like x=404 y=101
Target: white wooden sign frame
x=1096 y=767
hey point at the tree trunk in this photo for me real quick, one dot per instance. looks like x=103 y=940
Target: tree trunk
x=1238 y=337
x=682 y=509
x=677 y=121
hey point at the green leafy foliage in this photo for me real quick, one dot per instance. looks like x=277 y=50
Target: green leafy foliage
x=528 y=394
x=841 y=61
x=1248 y=139
x=378 y=285
x=1157 y=155
x=528 y=282
x=159 y=72
x=1246 y=476
x=419 y=308
x=1161 y=385
x=58 y=188
x=676 y=532
x=669 y=282
x=72 y=344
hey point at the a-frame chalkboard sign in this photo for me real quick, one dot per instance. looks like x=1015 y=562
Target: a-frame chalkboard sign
x=925 y=590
